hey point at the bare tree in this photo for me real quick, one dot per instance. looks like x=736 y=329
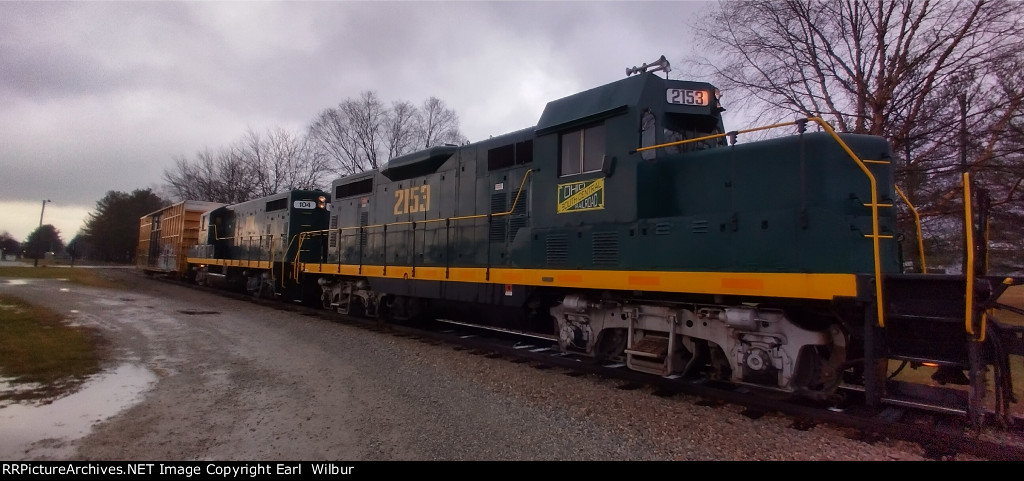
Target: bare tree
x=234 y=181
x=198 y=179
x=256 y=165
x=291 y=164
x=402 y=127
x=329 y=135
x=362 y=134
x=254 y=153
x=366 y=116
x=280 y=160
x=940 y=80
x=440 y=124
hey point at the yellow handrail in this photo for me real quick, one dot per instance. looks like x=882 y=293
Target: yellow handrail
x=860 y=163
x=714 y=136
x=917 y=224
x=969 y=266
x=512 y=209
x=874 y=217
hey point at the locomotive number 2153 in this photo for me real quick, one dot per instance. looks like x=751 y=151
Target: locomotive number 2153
x=412 y=200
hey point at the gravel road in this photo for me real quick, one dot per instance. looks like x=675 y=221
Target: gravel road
x=234 y=380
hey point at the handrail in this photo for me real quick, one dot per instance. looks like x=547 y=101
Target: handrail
x=300 y=238
x=969 y=264
x=326 y=232
x=917 y=224
x=733 y=134
x=874 y=217
x=913 y=210
x=512 y=209
x=875 y=235
x=515 y=202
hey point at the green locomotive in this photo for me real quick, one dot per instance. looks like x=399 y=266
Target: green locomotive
x=629 y=225
x=254 y=245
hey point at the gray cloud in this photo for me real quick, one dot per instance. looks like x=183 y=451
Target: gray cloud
x=98 y=96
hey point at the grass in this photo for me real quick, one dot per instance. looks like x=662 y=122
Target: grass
x=41 y=356
x=87 y=277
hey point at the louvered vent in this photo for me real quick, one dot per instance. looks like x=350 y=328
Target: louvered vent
x=499 y=202
x=333 y=242
x=662 y=228
x=700 y=227
x=605 y=248
x=520 y=217
x=516 y=223
x=557 y=249
x=363 y=220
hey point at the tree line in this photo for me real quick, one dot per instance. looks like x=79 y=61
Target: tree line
x=356 y=135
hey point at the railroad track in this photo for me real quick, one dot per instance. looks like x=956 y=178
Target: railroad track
x=941 y=436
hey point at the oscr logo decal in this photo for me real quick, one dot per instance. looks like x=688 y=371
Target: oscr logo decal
x=581 y=196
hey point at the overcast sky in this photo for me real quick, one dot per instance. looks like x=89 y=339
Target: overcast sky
x=100 y=96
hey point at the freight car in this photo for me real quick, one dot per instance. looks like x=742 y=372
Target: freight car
x=166 y=235
x=254 y=245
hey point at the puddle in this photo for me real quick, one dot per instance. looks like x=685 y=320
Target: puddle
x=45 y=431
x=10 y=307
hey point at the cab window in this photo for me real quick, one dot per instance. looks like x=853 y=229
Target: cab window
x=648 y=135
x=582 y=150
x=683 y=127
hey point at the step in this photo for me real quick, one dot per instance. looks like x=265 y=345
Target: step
x=649 y=347
x=926 y=396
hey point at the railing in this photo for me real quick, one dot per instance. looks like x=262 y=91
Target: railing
x=245 y=245
x=969 y=264
x=447 y=220
x=874 y=205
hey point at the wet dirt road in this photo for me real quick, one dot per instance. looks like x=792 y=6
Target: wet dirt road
x=197 y=376
x=219 y=379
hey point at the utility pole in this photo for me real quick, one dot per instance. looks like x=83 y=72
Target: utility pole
x=39 y=233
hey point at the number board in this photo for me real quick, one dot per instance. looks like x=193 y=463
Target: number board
x=581 y=196
x=686 y=97
x=304 y=204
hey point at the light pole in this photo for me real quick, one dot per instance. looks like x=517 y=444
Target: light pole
x=39 y=239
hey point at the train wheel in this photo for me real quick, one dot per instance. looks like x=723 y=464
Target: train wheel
x=611 y=344
x=699 y=356
x=820 y=369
